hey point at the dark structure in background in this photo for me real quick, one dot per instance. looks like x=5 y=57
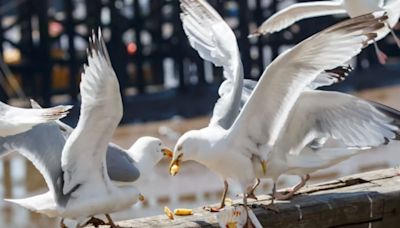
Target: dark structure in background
x=160 y=75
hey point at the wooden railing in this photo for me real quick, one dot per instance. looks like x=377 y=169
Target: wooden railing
x=362 y=200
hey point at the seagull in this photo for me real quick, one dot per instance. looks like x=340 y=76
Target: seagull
x=86 y=175
x=220 y=47
x=353 y=8
x=15 y=120
x=323 y=129
x=229 y=152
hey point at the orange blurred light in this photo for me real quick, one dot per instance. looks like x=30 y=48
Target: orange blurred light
x=131 y=48
x=55 y=28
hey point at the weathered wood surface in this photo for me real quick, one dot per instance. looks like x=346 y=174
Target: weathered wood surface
x=364 y=200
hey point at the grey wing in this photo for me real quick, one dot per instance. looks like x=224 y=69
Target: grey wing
x=352 y=122
x=42 y=145
x=120 y=166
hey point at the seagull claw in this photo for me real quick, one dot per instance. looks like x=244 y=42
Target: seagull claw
x=96 y=222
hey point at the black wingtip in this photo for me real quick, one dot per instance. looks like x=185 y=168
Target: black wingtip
x=341 y=72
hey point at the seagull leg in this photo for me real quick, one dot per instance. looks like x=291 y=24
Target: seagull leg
x=95 y=222
x=290 y=194
x=271 y=206
x=251 y=194
x=382 y=57
x=222 y=205
x=62 y=224
x=111 y=222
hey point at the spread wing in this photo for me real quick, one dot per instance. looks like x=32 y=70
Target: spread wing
x=120 y=166
x=215 y=41
x=65 y=128
x=326 y=78
x=267 y=109
x=353 y=122
x=297 y=12
x=15 y=120
x=42 y=146
x=83 y=157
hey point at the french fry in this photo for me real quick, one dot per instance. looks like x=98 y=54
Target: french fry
x=169 y=213
x=174 y=169
x=183 y=212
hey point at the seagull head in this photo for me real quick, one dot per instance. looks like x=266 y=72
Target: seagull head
x=186 y=148
x=148 y=151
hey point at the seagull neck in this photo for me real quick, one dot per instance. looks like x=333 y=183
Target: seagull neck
x=210 y=144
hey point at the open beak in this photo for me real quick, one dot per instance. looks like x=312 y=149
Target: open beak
x=264 y=166
x=167 y=152
x=175 y=166
x=141 y=198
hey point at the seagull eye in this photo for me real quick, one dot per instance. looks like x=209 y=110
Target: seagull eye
x=180 y=148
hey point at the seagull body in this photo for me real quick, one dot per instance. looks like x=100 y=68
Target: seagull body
x=75 y=166
x=230 y=151
x=15 y=120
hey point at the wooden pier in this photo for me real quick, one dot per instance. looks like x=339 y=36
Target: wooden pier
x=364 y=200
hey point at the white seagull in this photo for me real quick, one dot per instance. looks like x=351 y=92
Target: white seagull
x=223 y=51
x=353 y=8
x=229 y=152
x=323 y=129
x=75 y=166
x=15 y=120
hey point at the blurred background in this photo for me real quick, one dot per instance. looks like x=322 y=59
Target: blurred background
x=167 y=89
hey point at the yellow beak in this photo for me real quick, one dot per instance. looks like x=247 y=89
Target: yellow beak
x=167 y=152
x=264 y=166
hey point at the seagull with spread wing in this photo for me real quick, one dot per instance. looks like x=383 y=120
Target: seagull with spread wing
x=255 y=130
x=219 y=46
x=353 y=8
x=86 y=175
x=15 y=120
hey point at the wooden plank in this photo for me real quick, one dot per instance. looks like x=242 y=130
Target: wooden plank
x=363 y=200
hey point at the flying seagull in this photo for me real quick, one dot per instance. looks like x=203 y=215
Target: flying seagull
x=75 y=166
x=15 y=120
x=353 y=8
x=229 y=152
x=219 y=46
